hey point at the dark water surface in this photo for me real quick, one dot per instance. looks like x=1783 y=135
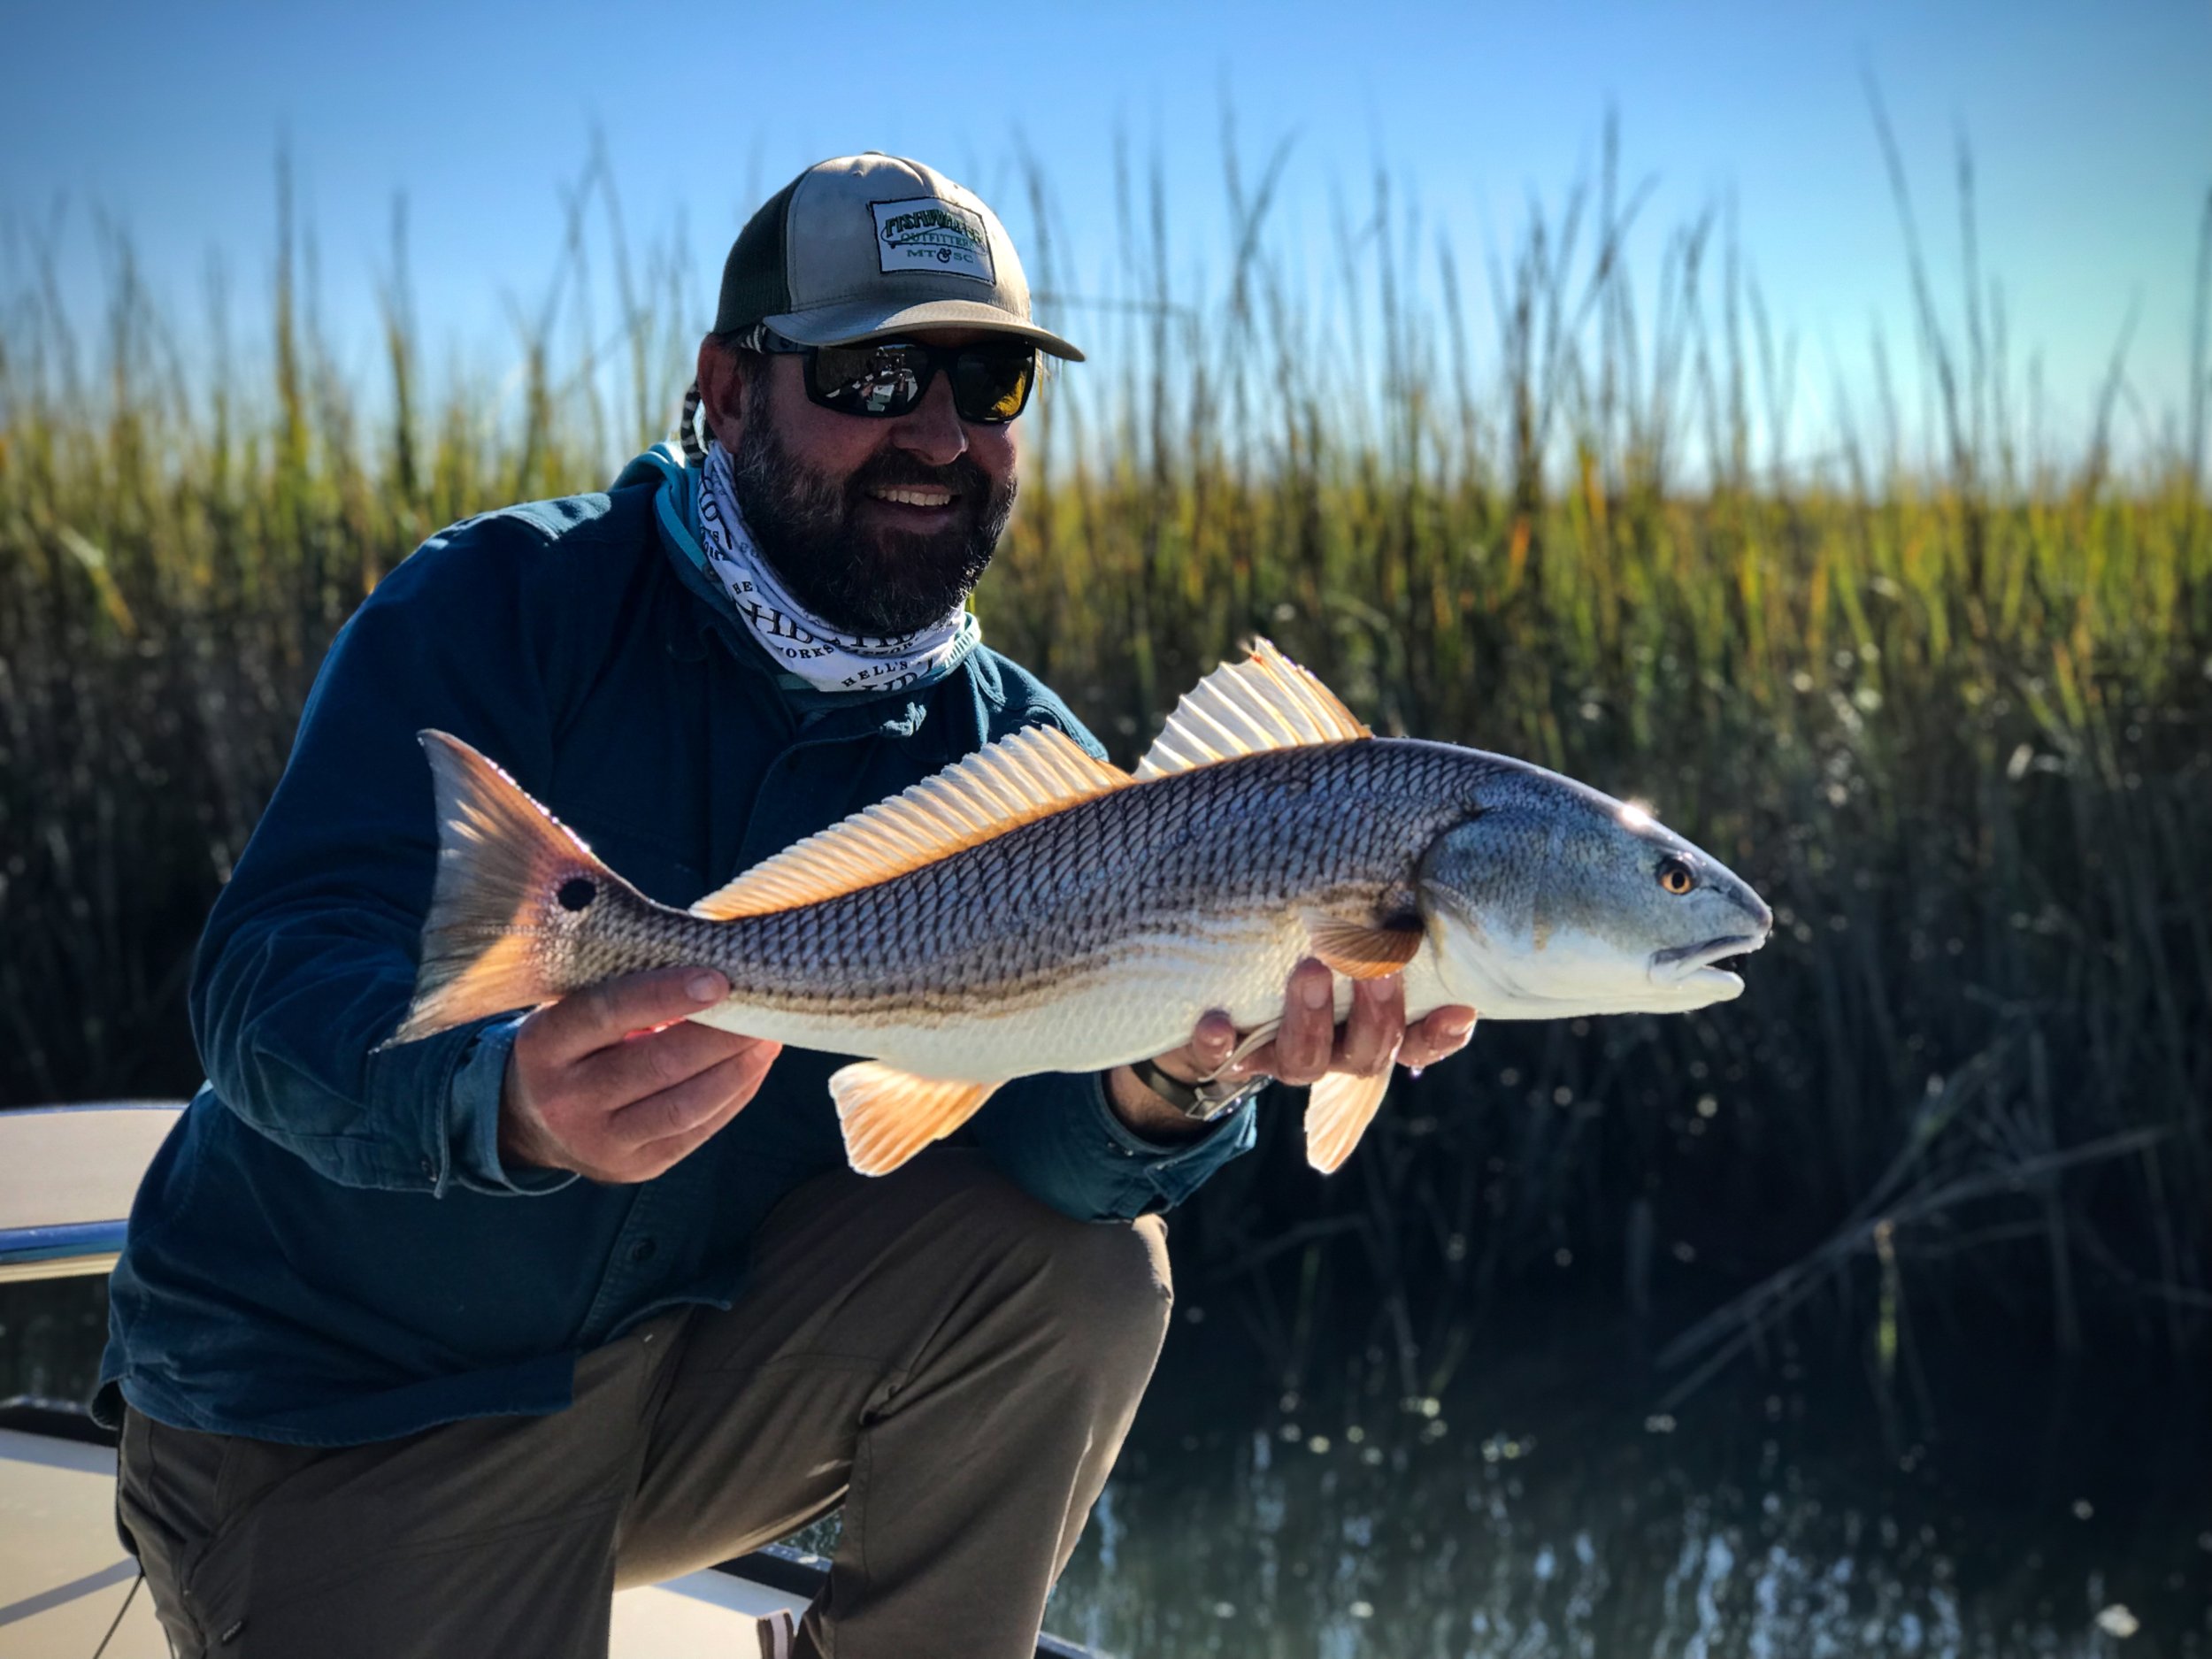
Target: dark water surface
x=1544 y=1508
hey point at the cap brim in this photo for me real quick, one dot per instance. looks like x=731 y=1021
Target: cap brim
x=852 y=325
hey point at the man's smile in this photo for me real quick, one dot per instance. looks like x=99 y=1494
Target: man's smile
x=914 y=496
x=924 y=510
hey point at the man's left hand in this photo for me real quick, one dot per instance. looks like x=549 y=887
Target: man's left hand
x=1308 y=1046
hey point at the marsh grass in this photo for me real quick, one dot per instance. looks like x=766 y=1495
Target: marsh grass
x=1948 y=708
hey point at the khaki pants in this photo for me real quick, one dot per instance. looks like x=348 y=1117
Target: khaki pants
x=953 y=1361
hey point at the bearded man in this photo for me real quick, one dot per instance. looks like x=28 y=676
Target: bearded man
x=427 y=1349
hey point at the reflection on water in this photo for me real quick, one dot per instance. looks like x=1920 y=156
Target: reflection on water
x=1392 y=1542
x=1544 y=1508
x=1557 y=1518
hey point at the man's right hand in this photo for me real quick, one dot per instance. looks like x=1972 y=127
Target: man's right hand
x=615 y=1084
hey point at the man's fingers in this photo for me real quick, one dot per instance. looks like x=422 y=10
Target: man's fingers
x=1259 y=1062
x=695 y=1108
x=1212 y=1040
x=655 y=1156
x=1376 y=1028
x=629 y=1072
x=587 y=1021
x=1442 y=1032
x=1304 y=1045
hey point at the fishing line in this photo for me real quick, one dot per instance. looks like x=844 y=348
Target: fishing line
x=129 y=1595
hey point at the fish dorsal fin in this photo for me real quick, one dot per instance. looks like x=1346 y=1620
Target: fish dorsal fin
x=1030 y=775
x=1264 y=702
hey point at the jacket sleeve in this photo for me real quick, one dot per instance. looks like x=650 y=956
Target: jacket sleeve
x=307 y=960
x=1056 y=1136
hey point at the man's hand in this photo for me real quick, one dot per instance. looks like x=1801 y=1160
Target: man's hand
x=615 y=1084
x=1307 y=1047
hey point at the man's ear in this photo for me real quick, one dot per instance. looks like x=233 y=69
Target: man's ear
x=722 y=388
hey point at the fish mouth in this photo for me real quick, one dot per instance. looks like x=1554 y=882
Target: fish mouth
x=1710 y=965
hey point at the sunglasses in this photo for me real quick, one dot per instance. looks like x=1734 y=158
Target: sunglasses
x=991 y=379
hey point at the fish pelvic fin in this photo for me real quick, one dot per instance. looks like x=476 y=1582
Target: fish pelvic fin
x=1264 y=702
x=1028 y=776
x=1338 y=1111
x=889 y=1115
x=505 y=867
x=1364 y=950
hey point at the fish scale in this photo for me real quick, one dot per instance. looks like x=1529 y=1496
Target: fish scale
x=1055 y=898
x=1117 y=923
x=1032 y=909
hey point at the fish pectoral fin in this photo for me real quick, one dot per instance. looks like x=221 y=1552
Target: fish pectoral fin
x=1362 y=950
x=889 y=1115
x=1338 y=1111
x=1033 y=774
x=1264 y=702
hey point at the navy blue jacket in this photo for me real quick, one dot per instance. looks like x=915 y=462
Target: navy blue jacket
x=327 y=1250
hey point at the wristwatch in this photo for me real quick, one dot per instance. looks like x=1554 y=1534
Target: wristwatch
x=1200 y=1103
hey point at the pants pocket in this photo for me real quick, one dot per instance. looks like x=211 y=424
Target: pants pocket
x=167 y=1512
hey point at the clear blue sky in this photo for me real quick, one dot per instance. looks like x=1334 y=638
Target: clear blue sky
x=2091 y=126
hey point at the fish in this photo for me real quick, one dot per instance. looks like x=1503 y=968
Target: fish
x=1033 y=909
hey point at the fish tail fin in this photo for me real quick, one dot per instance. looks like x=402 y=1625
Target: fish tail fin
x=1338 y=1111
x=506 y=868
x=889 y=1115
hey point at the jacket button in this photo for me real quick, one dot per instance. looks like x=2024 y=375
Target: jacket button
x=643 y=1251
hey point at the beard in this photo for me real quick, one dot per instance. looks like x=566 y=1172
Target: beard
x=881 y=582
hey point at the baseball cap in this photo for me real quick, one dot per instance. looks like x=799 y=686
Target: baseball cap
x=862 y=246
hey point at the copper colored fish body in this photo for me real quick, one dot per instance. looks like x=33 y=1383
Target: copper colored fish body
x=1032 y=910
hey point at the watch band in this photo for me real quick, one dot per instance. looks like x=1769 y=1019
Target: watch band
x=1201 y=1103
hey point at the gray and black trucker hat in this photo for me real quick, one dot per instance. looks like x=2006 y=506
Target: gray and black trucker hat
x=863 y=247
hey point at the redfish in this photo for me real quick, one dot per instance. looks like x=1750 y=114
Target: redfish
x=1032 y=909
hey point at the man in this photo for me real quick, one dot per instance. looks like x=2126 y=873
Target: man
x=425 y=1350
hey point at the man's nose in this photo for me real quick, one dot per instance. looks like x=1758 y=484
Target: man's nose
x=931 y=430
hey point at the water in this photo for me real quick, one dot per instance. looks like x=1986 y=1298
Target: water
x=1748 y=1523
x=1542 y=1509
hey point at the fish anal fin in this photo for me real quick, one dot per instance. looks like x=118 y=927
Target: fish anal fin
x=889 y=1115
x=1264 y=702
x=1364 y=950
x=1338 y=1109
x=1017 y=780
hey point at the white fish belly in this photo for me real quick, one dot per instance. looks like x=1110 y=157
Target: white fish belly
x=1144 y=1001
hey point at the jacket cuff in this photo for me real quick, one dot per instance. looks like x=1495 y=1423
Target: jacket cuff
x=1056 y=1136
x=1175 y=1169
x=473 y=1121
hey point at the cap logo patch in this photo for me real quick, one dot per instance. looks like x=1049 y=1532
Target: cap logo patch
x=927 y=233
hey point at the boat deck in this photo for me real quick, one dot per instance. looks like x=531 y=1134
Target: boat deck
x=63 y=1577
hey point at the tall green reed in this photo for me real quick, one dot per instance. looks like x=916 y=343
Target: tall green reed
x=1950 y=714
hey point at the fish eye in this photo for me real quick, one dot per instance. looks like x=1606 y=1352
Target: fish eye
x=577 y=893
x=1676 y=875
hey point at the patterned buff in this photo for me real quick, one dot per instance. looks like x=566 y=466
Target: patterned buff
x=825 y=657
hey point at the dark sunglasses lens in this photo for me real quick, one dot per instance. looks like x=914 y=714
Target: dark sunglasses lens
x=993 y=383
x=990 y=383
x=870 y=380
